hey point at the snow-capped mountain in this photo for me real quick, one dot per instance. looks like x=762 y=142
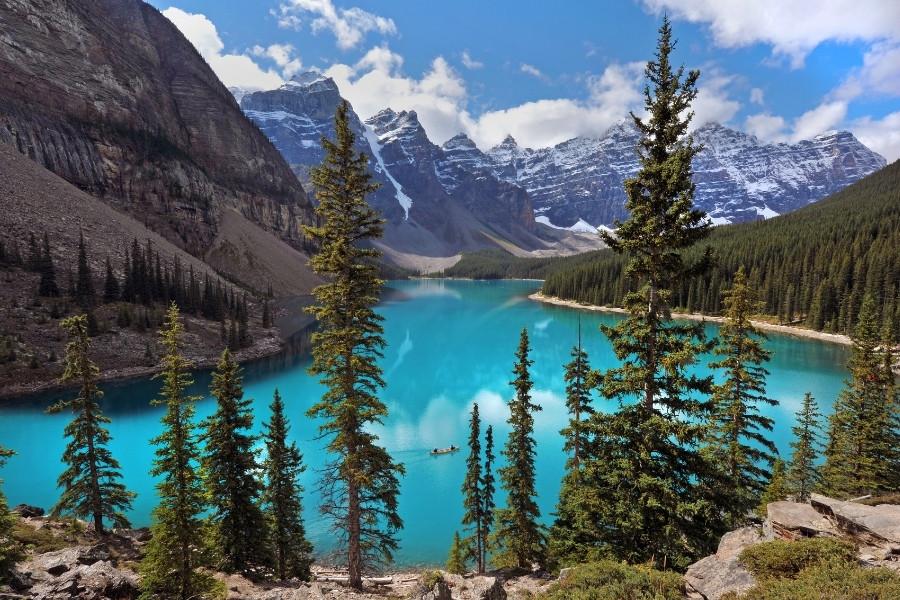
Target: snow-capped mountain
x=432 y=205
x=738 y=177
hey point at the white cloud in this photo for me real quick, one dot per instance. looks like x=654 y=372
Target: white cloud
x=712 y=102
x=469 y=63
x=234 y=70
x=757 y=96
x=349 y=25
x=881 y=135
x=283 y=56
x=792 y=28
x=531 y=70
x=772 y=128
x=879 y=74
x=765 y=126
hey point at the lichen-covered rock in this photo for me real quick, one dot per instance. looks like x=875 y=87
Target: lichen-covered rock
x=715 y=575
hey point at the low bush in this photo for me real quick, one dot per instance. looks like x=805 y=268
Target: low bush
x=610 y=580
x=785 y=560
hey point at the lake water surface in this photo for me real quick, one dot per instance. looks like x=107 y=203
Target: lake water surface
x=449 y=344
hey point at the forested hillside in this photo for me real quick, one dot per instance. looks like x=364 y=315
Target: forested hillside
x=811 y=267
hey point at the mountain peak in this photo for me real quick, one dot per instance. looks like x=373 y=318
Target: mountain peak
x=509 y=142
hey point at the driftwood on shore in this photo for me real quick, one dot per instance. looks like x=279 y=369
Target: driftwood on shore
x=337 y=578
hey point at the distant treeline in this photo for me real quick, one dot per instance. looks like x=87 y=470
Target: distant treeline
x=811 y=267
x=499 y=264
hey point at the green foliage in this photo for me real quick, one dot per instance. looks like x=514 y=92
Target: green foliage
x=179 y=534
x=777 y=489
x=84 y=285
x=282 y=497
x=862 y=455
x=473 y=497
x=432 y=578
x=785 y=560
x=229 y=466
x=10 y=549
x=812 y=266
x=456 y=561
x=610 y=580
x=519 y=536
x=645 y=465
x=360 y=485
x=738 y=445
x=803 y=472
x=91 y=483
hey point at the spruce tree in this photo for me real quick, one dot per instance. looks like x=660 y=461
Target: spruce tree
x=742 y=451
x=282 y=497
x=578 y=401
x=47 y=286
x=178 y=534
x=519 y=536
x=360 y=484
x=10 y=551
x=91 y=483
x=110 y=284
x=229 y=468
x=777 y=490
x=84 y=284
x=803 y=474
x=488 y=487
x=473 y=500
x=659 y=507
x=456 y=561
x=861 y=454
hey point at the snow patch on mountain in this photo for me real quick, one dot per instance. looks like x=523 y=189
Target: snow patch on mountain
x=580 y=227
x=404 y=200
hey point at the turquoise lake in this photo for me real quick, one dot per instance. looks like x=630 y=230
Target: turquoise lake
x=449 y=344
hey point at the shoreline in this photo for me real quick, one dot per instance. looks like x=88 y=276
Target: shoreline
x=833 y=338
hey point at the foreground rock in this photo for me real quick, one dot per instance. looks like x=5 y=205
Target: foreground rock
x=874 y=529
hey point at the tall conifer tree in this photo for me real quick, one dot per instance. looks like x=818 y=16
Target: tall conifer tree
x=282 y=497
x=179 y=536
x=739 y=445
x=803 y=473
x=657 y=508
x=91 y=483
x=861 y=454
x=229 y=469
x=473 y=496
x=361 y=483
x=519 y=536
x=84 y=284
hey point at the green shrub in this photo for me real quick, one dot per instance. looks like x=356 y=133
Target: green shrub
x=38 y=540
x=610 y=580
x=785 y=560
x=432 y=578
x=835 y=582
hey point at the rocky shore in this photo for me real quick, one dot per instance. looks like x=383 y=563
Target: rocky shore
x=782 y=329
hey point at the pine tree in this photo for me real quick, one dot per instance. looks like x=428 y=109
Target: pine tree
x=803 y=474
x=519 y=536
x=179 y=536
x=473 y=500
x=110 y=284
x=229 y=468
x=10 y=551
x=47 y=286
x=456 y=562
x=738 y=444
x=282 y=497
x=578 y=401
x=360 y=485
x=657 y=507
x=488 y=483
x=91 y=483
x=861 y=454
x=84 y=285
x=777 y=490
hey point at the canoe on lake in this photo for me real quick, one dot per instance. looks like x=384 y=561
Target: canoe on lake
x=444 y=450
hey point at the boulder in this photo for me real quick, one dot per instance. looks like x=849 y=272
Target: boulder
x=793 y=521
x=477 y=587
x=877 y=526
x=713 y=576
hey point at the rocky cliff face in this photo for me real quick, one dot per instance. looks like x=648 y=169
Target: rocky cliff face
x=738 y=177
x=110 y=96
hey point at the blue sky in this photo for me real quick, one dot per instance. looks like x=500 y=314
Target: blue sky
x=544 y=72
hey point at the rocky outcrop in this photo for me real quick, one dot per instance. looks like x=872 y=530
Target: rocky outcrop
x=713 y=576
x=457 y=587
x=82 y=572
x=109 y=95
